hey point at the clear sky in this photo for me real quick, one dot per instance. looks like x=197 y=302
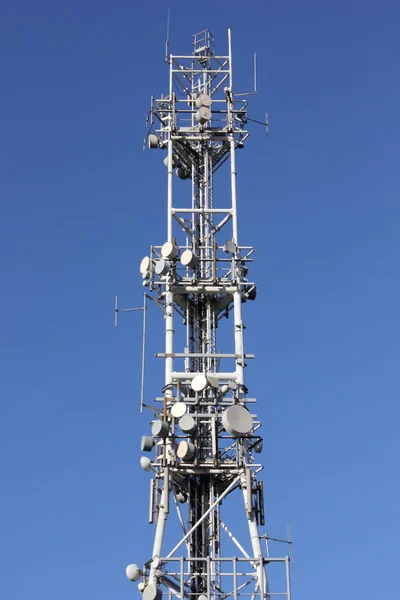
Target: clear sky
x=80 y=205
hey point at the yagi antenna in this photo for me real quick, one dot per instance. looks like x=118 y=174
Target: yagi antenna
x=265 y=123
x=167 y=40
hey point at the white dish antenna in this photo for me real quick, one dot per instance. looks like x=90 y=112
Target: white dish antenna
x=203 y=100
x=152 y=592
x=186 y=450
x=160 y=429
x=146 y=265
x=203 y=115
x=147 y=443
x=145 y=463
x=188 y=259
x=237 y=420
x=169 y=251
x=230 y=247
x=162 y=267
x=178 y=410
x=133 y=572
x=187 y=424
x=213 y=381
x=199 y=383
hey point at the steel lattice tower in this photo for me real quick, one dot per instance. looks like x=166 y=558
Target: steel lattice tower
x=205 y=434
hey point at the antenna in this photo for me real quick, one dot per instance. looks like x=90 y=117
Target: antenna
x=144 y=309
x=289 y=537
x=265 y=123
x=255 y=72
x=167 y=39
x=254 y=79
x=203 y=442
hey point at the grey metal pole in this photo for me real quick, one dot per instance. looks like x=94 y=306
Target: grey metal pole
x=143 y=352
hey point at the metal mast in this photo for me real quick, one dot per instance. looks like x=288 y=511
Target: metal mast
x=204 y=434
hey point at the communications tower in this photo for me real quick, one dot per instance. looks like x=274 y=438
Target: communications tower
x=205 y=441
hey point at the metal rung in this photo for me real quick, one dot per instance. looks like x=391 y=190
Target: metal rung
x=200 y=355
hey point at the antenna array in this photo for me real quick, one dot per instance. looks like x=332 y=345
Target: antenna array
x=205 y=437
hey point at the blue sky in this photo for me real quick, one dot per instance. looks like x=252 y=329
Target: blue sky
x=80 y=205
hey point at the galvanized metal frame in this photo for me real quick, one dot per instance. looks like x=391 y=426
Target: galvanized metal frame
x=216 y=286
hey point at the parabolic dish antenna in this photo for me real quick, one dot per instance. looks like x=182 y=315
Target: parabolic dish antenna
x=199 y=383
x=152 y=592
x=145 y=264
x=188 y=259
x=133 y=572
x=178 y=410
x=160 y=429
x=187 y=424
x=237 y=420
x=162 y=267
x=169 y=251
x=186 y=450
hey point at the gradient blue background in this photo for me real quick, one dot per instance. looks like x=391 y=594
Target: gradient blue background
x=81 y=203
